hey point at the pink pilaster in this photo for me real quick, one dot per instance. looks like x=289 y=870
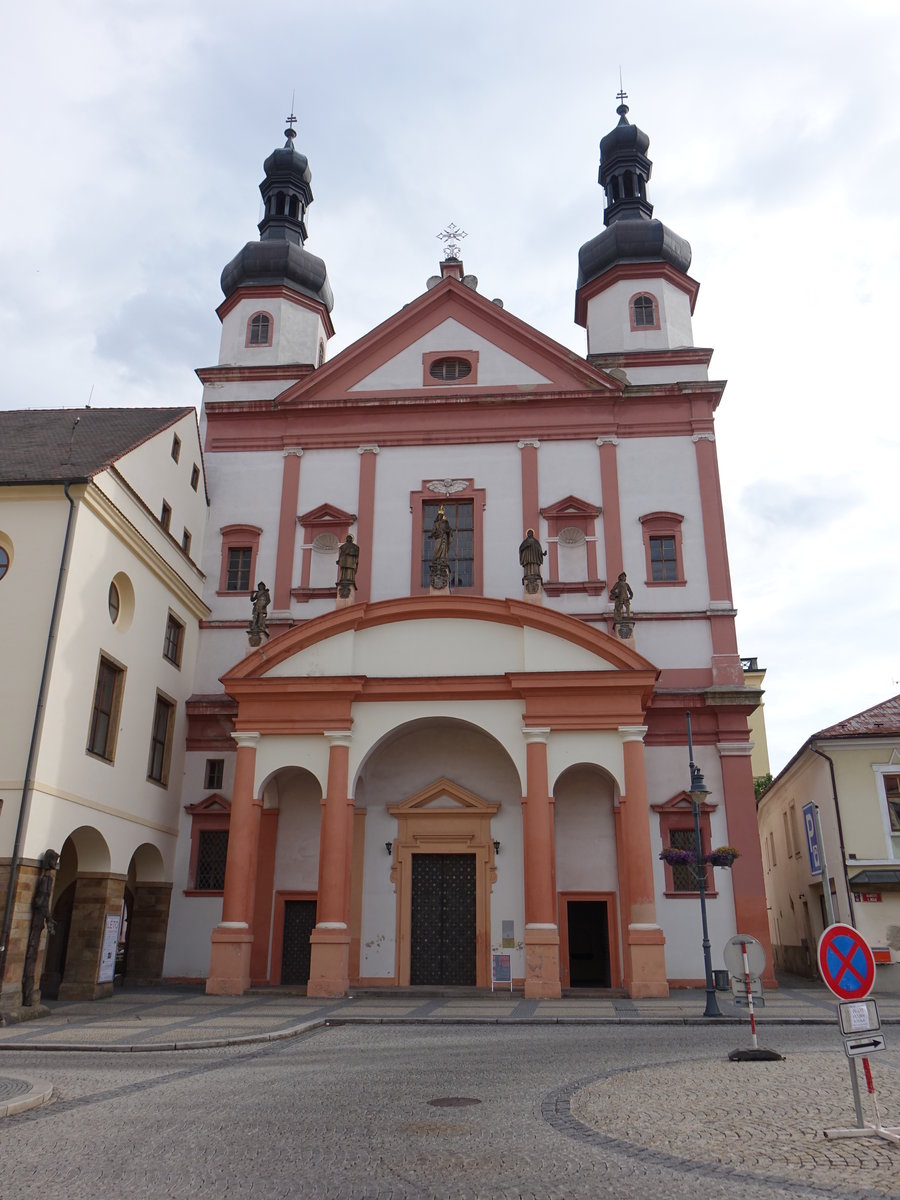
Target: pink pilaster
x=530 y=506
x=365 y=524
x=329 y=972
x=645 y=960
x=541 y=930
x=612 y=519
x=287 y=529
x=232 y=939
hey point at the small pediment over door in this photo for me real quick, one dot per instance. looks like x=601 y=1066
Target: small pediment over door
x=443 y=796
x=213 y=805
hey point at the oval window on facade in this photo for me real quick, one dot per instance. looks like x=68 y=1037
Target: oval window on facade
x=448 y=370
x=114 y=603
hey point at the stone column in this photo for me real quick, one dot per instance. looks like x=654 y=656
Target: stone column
x=11 y=985
x=96 y=898
x=147 y=935
x=645 y=960
x=232 y=939
x=329 y=970
x=541 y=931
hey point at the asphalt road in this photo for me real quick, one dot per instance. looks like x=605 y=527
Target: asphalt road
x=349 y=1111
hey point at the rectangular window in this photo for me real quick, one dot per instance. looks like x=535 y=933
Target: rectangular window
x=892 y=792
x=165 y=516
x=795 y=830
x=788 y=840
x=195 y=476
x=186 y=541
x=105 y=711
x=173 y=641
x=461 y=552
x=212 y=852
x=772 y=854
x=684 y=876
x=237 y=578
x=161 y=740
x=176 y=447
x=663 y=560
x=215 y=773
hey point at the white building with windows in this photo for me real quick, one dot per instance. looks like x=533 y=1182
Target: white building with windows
x=851 y=771
x=102 y=520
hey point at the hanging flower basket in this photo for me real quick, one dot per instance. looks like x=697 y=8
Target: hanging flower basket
x=678 y=858
x=722 y=856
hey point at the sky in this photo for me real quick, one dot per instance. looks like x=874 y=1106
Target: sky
x=133 y=138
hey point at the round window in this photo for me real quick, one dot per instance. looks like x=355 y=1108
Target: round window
x=4 y=562
x=450 y=369
x=113 y=603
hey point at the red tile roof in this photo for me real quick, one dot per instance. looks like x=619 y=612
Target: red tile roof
x=882 y=720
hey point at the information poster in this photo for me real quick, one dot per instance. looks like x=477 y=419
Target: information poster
x=107 y=970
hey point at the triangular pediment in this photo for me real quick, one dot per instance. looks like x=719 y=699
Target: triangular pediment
x=509 y=355
x=325 y=515
x=444 y=796
x=212 y=805
x=682 y=804
x=571 y=506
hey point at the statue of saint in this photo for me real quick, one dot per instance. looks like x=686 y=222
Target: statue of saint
x=531 y=558
x=258 y=628
x=441 y=535
x=621 y=595
x=347 y=563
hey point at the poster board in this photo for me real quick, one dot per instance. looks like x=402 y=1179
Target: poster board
x=501 y=969
x=107 y=972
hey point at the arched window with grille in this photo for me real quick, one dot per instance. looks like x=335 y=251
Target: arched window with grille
x=259 y=330
x=644 y=311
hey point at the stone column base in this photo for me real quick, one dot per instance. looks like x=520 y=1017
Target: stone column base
x=229 y=960
x=542 y=964
x=329 y=963
x=646 y=955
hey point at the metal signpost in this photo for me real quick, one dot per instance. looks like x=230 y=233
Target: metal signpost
x=847 y=966
x=745 y=959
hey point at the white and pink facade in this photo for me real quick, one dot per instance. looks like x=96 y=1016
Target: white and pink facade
x=413 y=778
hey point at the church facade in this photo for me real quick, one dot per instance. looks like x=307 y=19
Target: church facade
x=487 y=579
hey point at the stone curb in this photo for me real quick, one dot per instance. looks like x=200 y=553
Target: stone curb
x=252 y=1039
x=38 y=1094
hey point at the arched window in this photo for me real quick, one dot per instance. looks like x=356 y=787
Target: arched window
x=449 y=368
x=643 y=312
x=259 y=330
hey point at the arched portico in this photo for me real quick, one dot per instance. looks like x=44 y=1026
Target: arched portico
x=338 y=690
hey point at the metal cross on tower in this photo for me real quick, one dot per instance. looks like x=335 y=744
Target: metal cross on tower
x=451 y=236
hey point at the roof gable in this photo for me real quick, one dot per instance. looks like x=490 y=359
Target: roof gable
x=450 y=317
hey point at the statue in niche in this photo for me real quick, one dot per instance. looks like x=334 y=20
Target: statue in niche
x=441 y=536
x=40 y=916
x=531 y=559
x=258 y=627
x=347 y=564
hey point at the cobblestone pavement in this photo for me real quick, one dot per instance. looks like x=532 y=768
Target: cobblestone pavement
x=625 y=1112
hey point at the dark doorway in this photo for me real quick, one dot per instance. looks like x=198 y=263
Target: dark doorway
x=588 y=924
x=58 y=945
x=299 y=922
x=442 y=935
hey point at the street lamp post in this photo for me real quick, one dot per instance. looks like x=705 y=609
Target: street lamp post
x=699 y=792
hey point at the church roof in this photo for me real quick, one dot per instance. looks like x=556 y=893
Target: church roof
x=881 y=720
x=53 y=445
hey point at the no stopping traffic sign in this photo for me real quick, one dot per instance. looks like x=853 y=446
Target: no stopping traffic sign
x=846 y=962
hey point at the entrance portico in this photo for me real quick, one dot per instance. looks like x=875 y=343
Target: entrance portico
x=515 y=695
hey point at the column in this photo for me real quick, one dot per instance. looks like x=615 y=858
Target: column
x=147 y=935
x=329 y=971
x=287 y=531
x=97 y=896
x=541 y=932
x=531 y=512
x=726 y=664
x=365 y=522
x=743 y=832
x=609 y=499
x=645 y=960
x=232 y=939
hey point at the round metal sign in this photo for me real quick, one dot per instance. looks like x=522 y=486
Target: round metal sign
x=846 y=962
x=734 y=958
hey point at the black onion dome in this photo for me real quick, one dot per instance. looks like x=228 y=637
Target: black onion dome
x=629 y=241
x=279 y=256
x=632 y=232
x=279 y=262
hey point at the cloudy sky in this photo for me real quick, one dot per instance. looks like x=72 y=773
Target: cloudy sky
x=133 y=138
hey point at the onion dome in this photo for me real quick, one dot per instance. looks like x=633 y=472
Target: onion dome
x=632 y=233
x=279 y=257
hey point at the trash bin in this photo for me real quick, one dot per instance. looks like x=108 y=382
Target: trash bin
x=721 y=981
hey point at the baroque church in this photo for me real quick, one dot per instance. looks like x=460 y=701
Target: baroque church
x=460 y=588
